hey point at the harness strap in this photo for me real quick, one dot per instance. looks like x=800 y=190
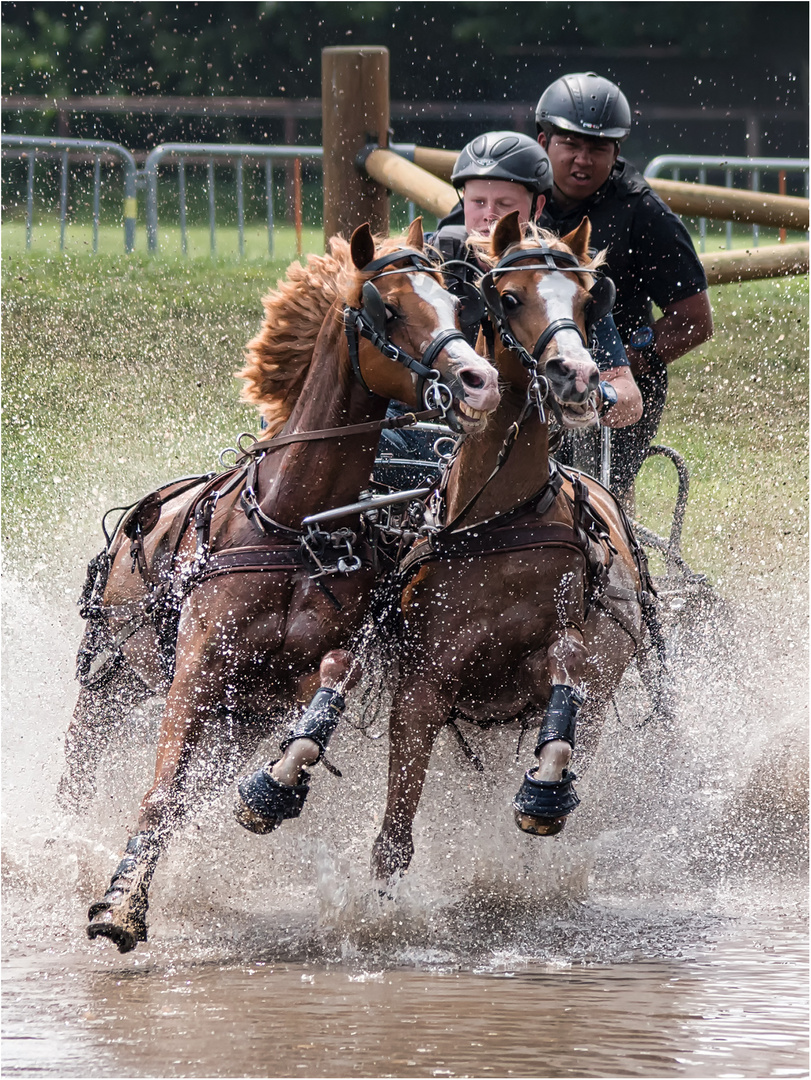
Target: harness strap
x=555 y=328
x=250 y=560
x=407 y=420
x=513 y=537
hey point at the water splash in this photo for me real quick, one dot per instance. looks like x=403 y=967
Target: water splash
x=677 y=832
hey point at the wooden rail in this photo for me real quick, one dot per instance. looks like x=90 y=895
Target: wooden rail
x=751 y=264
x=415 y=182
x=696 y=200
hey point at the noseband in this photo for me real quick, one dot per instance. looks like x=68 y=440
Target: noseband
x=369 y=321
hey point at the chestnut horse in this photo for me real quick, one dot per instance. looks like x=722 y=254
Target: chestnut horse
x=528 y=600
x=267 y=609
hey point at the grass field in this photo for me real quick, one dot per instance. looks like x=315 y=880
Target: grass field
x=118 y=375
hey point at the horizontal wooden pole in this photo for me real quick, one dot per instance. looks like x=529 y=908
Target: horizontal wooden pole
x=732 y=204
x=694 y=200
x=430 y=193
x=750 y=264
x=411 y=181
x=438 y=162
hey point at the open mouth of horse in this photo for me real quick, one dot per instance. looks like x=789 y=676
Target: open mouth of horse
x=467 y=418
x=580 y=414
x=574 y=384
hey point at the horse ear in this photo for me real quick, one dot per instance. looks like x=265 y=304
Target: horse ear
x=578 y=240
x=362 y=246
x=415 y=237
x=506 y=232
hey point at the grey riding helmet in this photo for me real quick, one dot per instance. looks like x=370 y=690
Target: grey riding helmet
x=504 y=155
x=585 y=103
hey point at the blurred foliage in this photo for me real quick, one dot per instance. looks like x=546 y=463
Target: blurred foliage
x=273 y=48
x=688 y=55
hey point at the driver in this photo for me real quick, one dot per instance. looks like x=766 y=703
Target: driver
x=581 y=121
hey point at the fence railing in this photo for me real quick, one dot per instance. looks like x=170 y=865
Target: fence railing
x=209 y=153
x=181 y=155
x=34 y=146
x=752 y=168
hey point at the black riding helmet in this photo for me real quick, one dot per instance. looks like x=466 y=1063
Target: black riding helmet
x=504 y=155
x=585 y=103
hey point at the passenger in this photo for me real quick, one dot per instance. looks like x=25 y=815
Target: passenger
x=495 y=174
x=581 y=120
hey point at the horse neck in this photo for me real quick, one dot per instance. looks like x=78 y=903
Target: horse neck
x=320 y=475
x=522 y=475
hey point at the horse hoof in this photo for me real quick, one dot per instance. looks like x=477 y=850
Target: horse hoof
x=125 y=933
x=264 y=803
x=539 y=826
x=542 y=806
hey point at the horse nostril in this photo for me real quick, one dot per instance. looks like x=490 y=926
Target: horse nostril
x=472 y=379
x=556 y=369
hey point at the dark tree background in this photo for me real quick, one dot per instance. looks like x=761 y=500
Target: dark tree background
x=732 y=56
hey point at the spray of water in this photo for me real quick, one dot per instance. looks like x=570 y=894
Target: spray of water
x=678 y=828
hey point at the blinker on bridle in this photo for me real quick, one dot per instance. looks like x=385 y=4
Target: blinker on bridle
x=369 y=321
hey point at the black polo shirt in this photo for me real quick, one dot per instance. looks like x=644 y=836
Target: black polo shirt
x=650 y=255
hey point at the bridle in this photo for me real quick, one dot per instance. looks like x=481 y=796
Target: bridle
x=369 y=321
x=603 y=293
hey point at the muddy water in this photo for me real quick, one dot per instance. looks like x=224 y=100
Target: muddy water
x=663 y=934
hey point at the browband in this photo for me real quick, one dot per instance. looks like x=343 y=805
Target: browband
x=551 y=260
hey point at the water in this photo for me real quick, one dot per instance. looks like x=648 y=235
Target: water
x=662 y=934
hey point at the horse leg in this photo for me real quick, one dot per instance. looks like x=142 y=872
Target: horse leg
x=547 y=797
x=419 y=713
x=197 y=689
x=278 y=790
x=99 y=715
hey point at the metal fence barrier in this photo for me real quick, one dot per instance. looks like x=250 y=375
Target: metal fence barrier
x=34 y=146
x=752 y=167
x=209 y=153
x=182 y=154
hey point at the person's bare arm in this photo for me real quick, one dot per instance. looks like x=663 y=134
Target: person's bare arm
x=684 y=326
x=629 y=400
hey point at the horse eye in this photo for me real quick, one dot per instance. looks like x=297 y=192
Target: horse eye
x=391 y=313
x=510 y=302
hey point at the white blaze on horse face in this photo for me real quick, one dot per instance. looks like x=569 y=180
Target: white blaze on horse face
x=478 y=376
x=557 y=293
x=428 y=289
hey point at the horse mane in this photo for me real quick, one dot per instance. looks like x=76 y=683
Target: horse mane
x=532 y=236
x=277 y=359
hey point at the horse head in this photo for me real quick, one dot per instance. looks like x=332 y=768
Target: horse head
x=408 y=343
x=544 y=298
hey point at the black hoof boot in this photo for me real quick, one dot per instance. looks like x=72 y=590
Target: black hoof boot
x=542 y=806
x=120 y=915
x=264 y=803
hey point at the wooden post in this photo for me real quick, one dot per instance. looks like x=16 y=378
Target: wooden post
x=355 y=111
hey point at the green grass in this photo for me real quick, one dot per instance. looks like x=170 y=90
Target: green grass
x=738 y=412
x=118 y=375
x=79 y=241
